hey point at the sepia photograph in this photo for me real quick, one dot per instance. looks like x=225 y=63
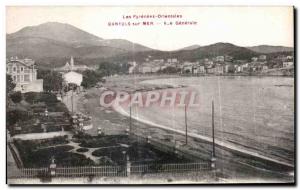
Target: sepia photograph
x=145 y=95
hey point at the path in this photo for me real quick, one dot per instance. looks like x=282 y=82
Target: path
x=35 y=136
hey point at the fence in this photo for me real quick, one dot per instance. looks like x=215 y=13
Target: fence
x=27 y=172
x=171 y=147
x=170 y=168
x=110 y=171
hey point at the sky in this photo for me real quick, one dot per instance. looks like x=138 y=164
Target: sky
x=243 y=26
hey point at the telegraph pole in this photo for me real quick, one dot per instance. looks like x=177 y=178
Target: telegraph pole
x=213 y=156
x=186 y=136
x=72 y=101
x=130 y=127
x=213 y=129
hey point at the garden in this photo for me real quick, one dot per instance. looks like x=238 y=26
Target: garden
x=85 y=150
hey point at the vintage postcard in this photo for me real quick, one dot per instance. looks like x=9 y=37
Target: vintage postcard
x=150 y=95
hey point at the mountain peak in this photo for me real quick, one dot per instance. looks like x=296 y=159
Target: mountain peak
x=56 y=31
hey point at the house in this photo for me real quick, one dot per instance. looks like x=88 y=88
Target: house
x=24 y=75
x=265 y=67
x=254 y=59
x=132 y=67
x=288 y=64
x=219 y=59
x=73 y=77
x=262 y=57
x=228 y=58
x=201 y=69
x=289 y=57
x=155 y=69
x=145 y=69
x=245 y=67
x=219 y=69
x=238 y=68
x=226 y=68
x=188 y=69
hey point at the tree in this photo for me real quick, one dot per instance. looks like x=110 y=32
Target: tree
x=16 y=97
x=52 y=80
x=91 y=78
x=10 y=85
x=170 y=70
x=107 y=68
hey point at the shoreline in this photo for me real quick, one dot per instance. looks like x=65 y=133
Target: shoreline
x=113 y=122
x=207 y=139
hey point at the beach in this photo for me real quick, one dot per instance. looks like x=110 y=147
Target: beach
x=233 y=160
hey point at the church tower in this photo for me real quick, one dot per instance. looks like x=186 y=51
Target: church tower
x=72 y=63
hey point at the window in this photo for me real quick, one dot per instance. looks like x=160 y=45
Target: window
x=26 y=78
x=22 y=69
x=14 y=69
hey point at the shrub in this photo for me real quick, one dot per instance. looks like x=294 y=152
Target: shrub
x=16 y=97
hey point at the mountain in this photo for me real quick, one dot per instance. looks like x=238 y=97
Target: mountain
x=51 y=43
x=190 y=47
x=270 y=49
x=53 y=39
x=202 y=52
x=58 y=32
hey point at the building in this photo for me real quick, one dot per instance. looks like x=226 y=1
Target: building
x=144 y=69
x=262 y=57
x=289 y=57
x=226 y=68
x=71 y=66
x=228 y=58
x=201 y=69
x=265 y=67
x=219 y=69
x=132 y=67
x=287 y=64
x=24 y=75
x=254 y=59
x=73 y=77
x=220 y=59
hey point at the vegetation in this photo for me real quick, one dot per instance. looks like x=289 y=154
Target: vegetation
x=108 y=68
x=16 y=97
x=10 y=85
x=35 y=97
x=14 y=116
x=52 y=80
x=170 y=70
x=91 y=78
x=27 y=114
x=38 y=153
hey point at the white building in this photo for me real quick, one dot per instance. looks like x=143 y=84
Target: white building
x=132 y=67
x=288 y=64
x=24 y=75
x=73 y=77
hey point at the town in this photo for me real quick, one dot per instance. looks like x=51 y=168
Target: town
x=219 y=65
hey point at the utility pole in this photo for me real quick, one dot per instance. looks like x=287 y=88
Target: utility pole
x=213 y=156
x=213 y=129
x=130 y=127
x=186 y=136
x=72 y=101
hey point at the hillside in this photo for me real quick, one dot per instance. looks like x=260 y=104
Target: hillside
x=51 y=42
x=54 y=39
x=270 y=49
